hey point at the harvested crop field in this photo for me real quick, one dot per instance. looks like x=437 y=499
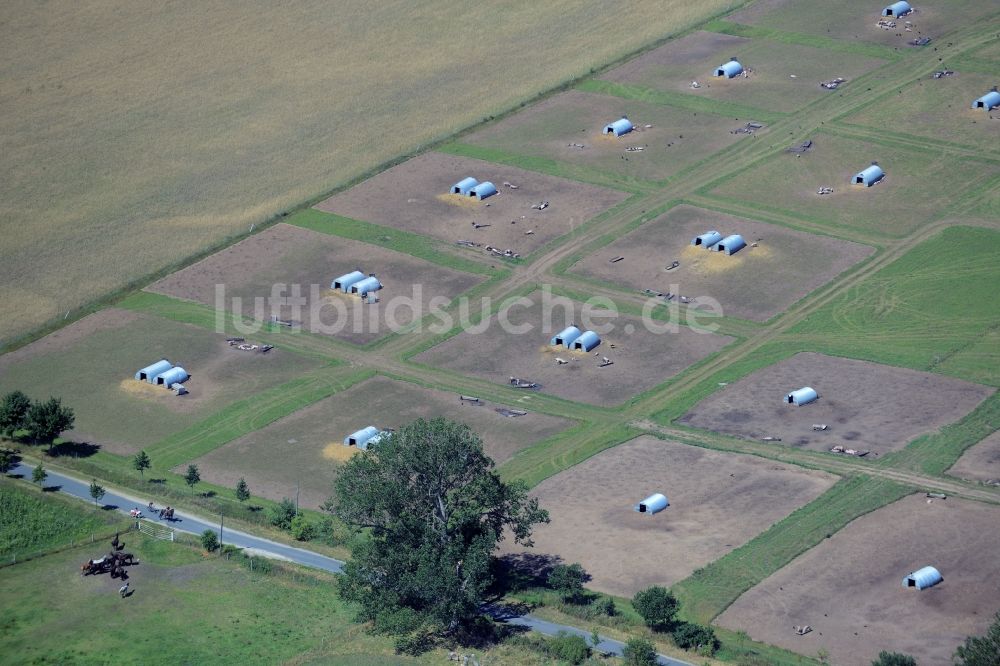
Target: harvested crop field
x=980 y=462
x=773 y=65
x=676 y=140
x=236 y=112
x=307 y=447
x=91 y=364
x=857 y=20
x=849 y=587
x=938 y=109
x=642 y=358
x=286 y=256
x=414 y=196
x=593 y=521
x=867 y=406
x=918 y=185
x=755 y=283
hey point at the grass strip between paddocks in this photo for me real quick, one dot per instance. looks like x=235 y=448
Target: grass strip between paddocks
x=252 y=414
x=711 y=589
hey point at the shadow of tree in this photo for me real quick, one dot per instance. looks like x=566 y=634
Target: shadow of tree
x=521 y=571
x=73 y=450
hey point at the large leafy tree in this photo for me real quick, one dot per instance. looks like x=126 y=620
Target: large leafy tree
x=434 y=510
x=13 y=412
x=47 y=420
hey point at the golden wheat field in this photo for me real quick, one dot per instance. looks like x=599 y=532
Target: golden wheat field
x=133 y=135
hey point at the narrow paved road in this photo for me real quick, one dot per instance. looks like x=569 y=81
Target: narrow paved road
x=186 y=522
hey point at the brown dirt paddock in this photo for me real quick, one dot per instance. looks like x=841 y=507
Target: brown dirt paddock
x=696 y=56
x=677 y=139
x=290 y=255
x=414 y=196
x=307 y=447
x=755 y=283
x=91 y=365
x=981 y=462
x=593 y=521
x=642 y=359
x=867 y=406
x=849 y=587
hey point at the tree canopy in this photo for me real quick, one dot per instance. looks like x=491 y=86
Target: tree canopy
x=141 y=462
x=894 y=659
x=981 y=650
x=657 y=606
x=434 y=510
x=13 y=412
x=192 y=476
x=47 y=420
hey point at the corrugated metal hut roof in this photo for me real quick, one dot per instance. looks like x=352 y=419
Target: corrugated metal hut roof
x=587 y=341
x=869 y=176
x=988 y=101
x=566 y=336
x=897 y=9
x=344 y=282
x=463 y=186
x=619 y=127
x=707 y=239
x=802 y=396
x=731 y=244
x=483 y=190
x=150 y=372
x=923 y=578
x=729 y=70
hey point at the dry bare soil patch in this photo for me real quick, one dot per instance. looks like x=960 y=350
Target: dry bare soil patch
x=642 y=358
x=773 y=65
x=91 y=365
x=306 y=448
x=980 y=462
x=867 y=406
x=286 y=255
x=849 y=587
x=718 y=501
x=414 y=196
x=676 y=139
x=755 y=283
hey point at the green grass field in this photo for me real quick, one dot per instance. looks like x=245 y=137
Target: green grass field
x=235 y=115
x=936 y=109
x=93 y=373
x=919 y=185
x=927 y=310
x=186 y=608
x=33 y=521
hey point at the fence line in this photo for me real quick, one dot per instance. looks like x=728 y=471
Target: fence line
x=155 y=530
x=11 y=558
